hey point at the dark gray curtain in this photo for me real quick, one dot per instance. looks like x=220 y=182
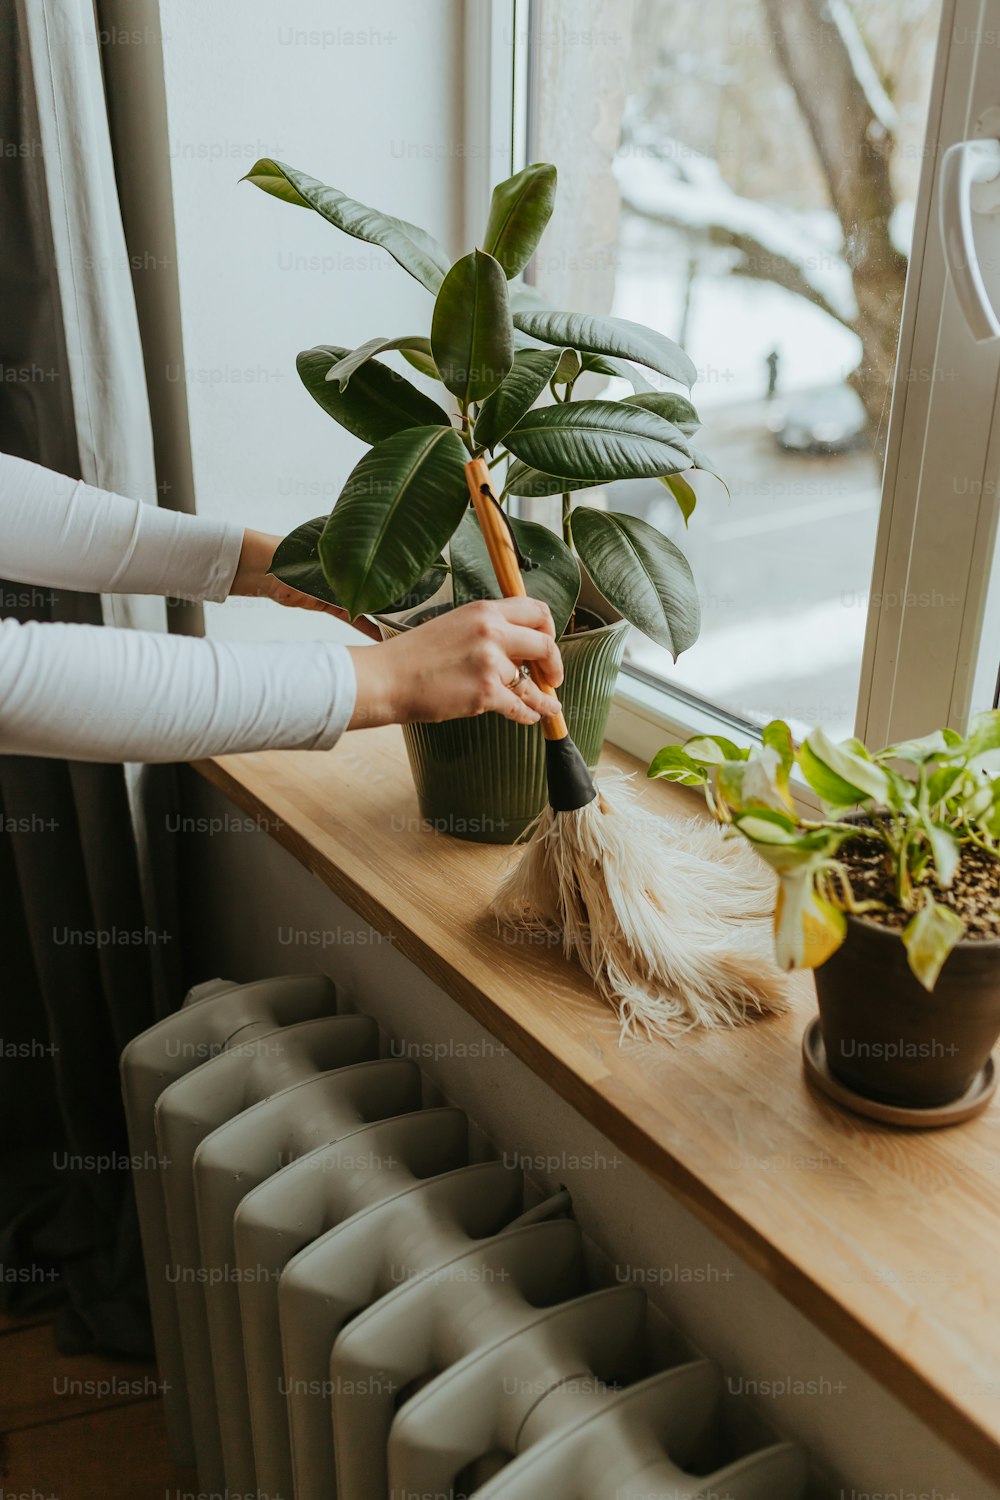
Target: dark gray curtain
x=79 y=948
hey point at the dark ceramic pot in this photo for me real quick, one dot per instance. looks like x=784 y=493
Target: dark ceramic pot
x=483 y=779
x=889 y=1039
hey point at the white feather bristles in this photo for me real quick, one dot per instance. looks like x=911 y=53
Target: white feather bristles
x=670 y=920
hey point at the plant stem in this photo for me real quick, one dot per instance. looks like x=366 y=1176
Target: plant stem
x=567 y=523
x=904 y=890
x=465 y=434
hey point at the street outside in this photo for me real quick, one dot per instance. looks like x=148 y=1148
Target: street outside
x=783 y=569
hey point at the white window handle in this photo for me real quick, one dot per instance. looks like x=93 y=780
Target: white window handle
x=964 y=168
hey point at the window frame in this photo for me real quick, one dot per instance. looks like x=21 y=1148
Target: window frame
x=913 y=679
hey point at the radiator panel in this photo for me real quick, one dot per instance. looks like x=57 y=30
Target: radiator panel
x=186 y=1113
x=211 y=1018
x=431 y=1323
x=349 y=1268
x=297 y=1205
x=653 y=1441
x=369 y=1315
x=239 y=1156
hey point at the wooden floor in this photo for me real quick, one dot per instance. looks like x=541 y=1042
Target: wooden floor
x=80 y=1427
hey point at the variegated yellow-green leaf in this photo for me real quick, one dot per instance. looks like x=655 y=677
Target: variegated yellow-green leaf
x=929 y=938
x=807 y=929
x=778 y=737
x=839 y=774
x=929 y=747
x=984 y=734
x=673 y=763
x=713 y=749
x=945 y=849
x=757 y=782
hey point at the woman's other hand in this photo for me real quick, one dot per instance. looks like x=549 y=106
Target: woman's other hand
x=253 y=581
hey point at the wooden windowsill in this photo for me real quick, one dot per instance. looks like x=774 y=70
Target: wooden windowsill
x=888 y=1241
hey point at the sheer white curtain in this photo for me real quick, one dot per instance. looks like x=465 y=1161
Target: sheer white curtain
x=90 y=263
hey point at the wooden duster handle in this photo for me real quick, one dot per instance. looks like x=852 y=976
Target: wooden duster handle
x=506 y=567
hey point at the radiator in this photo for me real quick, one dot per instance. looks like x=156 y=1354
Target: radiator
x=344 y=1304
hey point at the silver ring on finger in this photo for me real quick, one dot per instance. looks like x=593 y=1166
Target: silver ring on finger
x=523 y=672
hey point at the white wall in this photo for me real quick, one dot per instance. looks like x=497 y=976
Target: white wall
x=365 y=95
x=257 y=912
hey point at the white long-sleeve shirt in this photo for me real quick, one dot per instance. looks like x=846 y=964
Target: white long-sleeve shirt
x=93 y=693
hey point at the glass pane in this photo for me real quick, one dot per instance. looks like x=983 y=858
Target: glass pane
x=765 y=160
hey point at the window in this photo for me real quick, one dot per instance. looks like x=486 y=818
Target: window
x=760 y=182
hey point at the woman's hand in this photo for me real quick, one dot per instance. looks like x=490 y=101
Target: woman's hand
x=254 y=581
x=461 y=663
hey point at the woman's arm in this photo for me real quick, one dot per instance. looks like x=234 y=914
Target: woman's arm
x=94 y=693
x=61 y=533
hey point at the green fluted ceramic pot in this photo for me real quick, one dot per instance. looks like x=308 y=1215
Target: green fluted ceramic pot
x=483 y=779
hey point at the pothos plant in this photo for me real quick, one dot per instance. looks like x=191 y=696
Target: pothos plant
x=402 y=521
x=923 y=821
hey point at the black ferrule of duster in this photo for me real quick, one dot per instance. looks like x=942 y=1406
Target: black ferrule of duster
x=571 y=785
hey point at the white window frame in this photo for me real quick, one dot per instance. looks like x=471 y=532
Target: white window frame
x=917 y=667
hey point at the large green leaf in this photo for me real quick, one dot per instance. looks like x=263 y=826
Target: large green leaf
x=296 y=562
x=668 y=405
x=397 y=510
x=610 y=336
x=519 y=211
x=617 y=369
x=644 y=575
x=377 y=403
x=471 y=334
x=599 y=441
x=517 y=393
x=523 y=480
x=413 y=248
x=422 y=362
x=555 y=579
x=353 y=359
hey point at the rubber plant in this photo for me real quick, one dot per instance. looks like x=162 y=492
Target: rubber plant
x=509 y=366
x=924 y=822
